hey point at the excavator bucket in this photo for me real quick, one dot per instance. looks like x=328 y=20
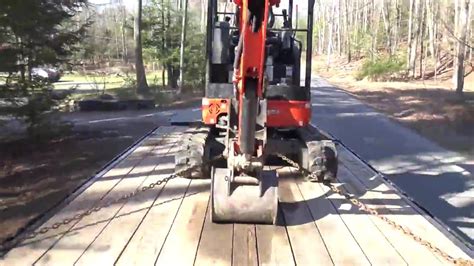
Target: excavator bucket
x=244 y=202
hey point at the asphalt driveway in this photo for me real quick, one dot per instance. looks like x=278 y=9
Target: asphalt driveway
x=439 y=180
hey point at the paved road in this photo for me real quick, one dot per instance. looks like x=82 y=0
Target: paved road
x=439 y=180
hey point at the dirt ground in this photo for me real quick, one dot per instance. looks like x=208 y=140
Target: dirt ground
x=35 y=177
x=431 y=107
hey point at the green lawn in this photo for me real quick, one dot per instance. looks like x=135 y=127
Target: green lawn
x=89 y=86
x=123 y=87
x=151 y=77
x=98 y=82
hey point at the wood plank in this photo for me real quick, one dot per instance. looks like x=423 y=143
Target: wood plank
x=244 y=245
x=181 y=244
x=31 y=249
x=72 y=244
x=412 y=252
x=382 y=193
x=339 y=241
x=308 y=246
x=273 y=245
x=373 y=243
x=148 y=238
x=109 y=244
x=215 y=247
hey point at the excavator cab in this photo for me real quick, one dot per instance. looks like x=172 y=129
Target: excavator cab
x=288 y=99
x=254 y=109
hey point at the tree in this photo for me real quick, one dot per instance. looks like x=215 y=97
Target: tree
x=163 y=27
x=39 y=32
x=182 y=47
x=463 y=9
x=142 y=85
x=424 y=37
x=107 y=37
x=33 y=33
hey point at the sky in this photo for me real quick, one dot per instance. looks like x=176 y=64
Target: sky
x=129 y=3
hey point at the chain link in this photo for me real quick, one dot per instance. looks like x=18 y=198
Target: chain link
x=367 y=209
x=11 y=244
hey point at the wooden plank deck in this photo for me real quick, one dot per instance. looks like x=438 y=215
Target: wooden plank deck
x=170 y=225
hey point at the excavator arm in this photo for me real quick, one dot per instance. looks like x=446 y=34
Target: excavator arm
x=249 y=68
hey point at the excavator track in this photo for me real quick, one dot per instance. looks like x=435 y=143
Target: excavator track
x=194 y=151
x=320 y=156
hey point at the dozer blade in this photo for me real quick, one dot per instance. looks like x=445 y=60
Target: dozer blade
x=244 y=203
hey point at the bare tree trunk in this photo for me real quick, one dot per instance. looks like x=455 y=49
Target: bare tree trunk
x=416 y=37
x=182 y=47
x=347 y=31
x=170 y=69
x=396 y=30
x=124 y=44
x=163 y=42
x=457 y=10
x=323 y=37
x=410 y=37
x=461 y=45
x=431 y=13
x=375 y=22
x=339 y=28
x=469 y=51
x=421 y=31
x=324 y=30
x=330 y=38
x=365 y=14
x=203 y=15
x=387 y=25
x=116 y=35
x=320 y=31
x=142 y=85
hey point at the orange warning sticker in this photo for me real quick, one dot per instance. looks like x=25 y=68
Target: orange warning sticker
x=214 y=108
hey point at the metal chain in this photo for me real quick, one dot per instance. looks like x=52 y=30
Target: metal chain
x=367 y=209
x=10 y=244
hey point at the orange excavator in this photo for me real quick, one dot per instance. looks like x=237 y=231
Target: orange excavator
x=254 y=109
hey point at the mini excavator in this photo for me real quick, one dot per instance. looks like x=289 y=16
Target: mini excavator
x=254 y=109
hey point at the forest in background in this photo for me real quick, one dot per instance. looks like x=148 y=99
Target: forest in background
x=400 y=39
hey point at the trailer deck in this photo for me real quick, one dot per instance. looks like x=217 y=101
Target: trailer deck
x=170 y=224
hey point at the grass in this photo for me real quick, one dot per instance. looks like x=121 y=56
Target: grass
x=109 y=78
x=91 y=86
x=101 y=82
x=121 y=87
